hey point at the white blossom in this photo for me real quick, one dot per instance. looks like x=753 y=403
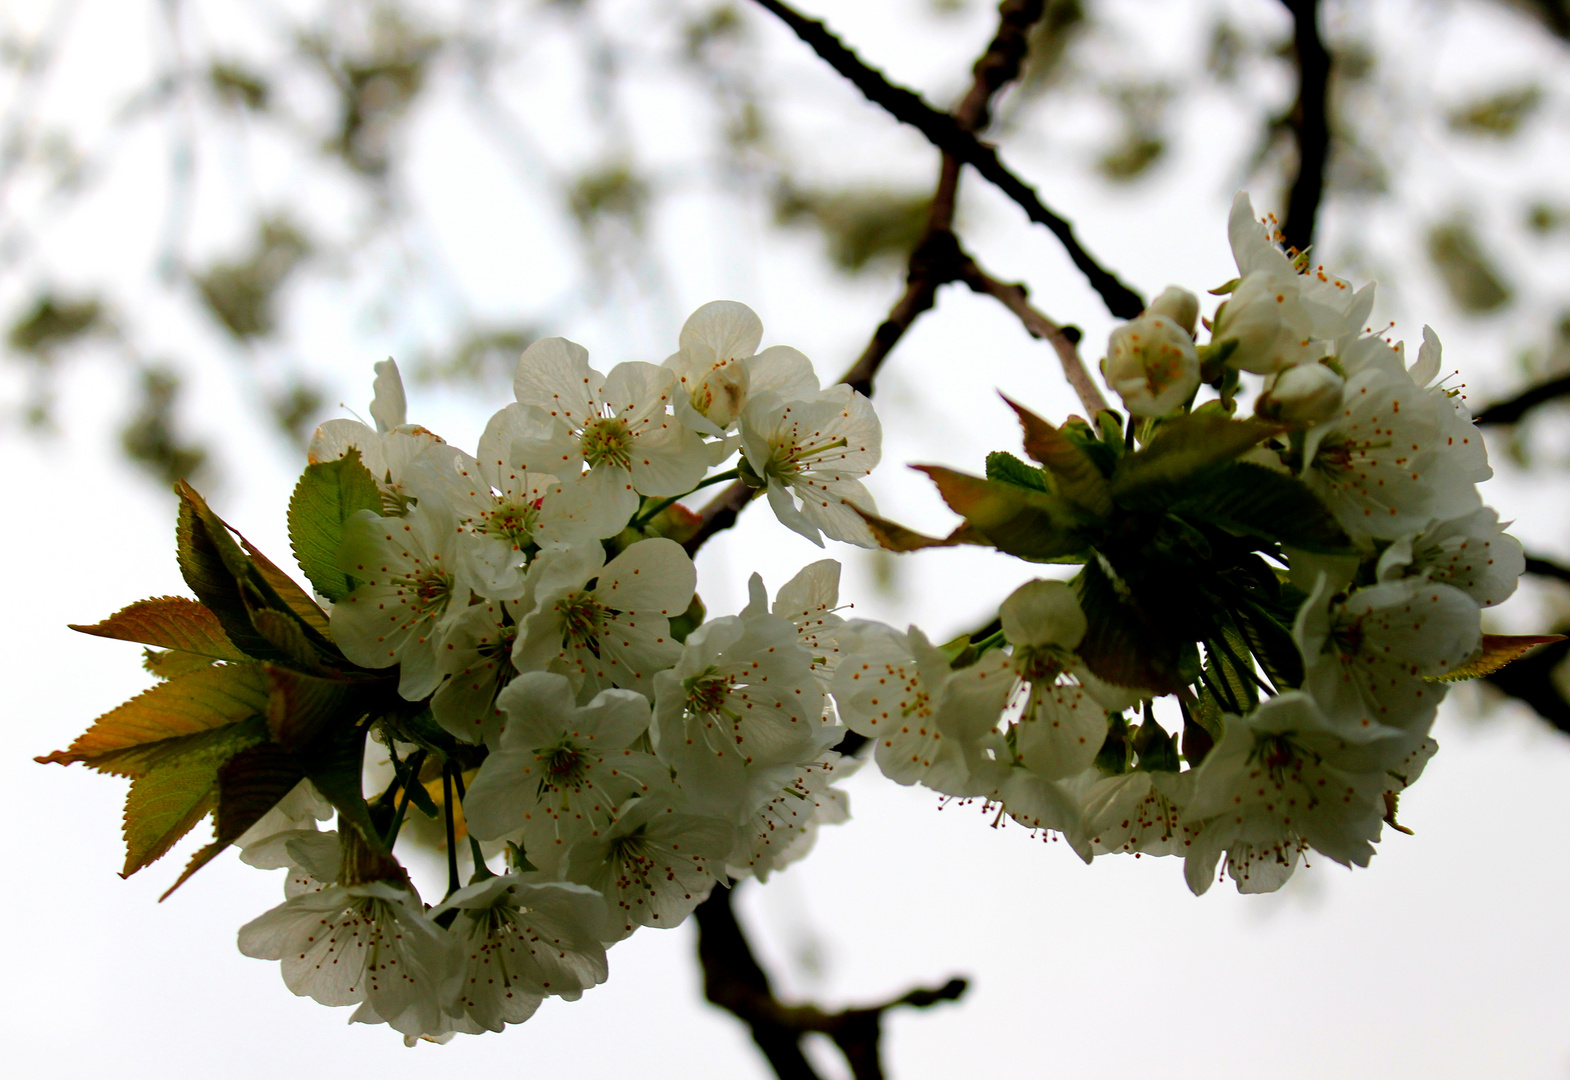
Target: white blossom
x=898 y=690
x=1366 y=654
x=1472 y=552
x=348 y=944
x=1139 y=812
x=653 y=866
x=809 y=600
x=475 y=656
x=815 y=449
x=519 y=941
x=560 y=770
x=717 y=370
x=1304 y=394
x=1278 y=782
x=783 y=829
x=409 y=592
x=616 y=425
x=615 y=632
x=741 y=697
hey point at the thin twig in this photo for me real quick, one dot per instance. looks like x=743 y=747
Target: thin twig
x=948 y=134
x=1064 y=340
x=1541 y=567
x=1511 y=410
x=733 y=980
x=1310 y=123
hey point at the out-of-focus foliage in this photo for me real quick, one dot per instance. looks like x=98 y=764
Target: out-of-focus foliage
x=1468 y=273
x=1500 y=114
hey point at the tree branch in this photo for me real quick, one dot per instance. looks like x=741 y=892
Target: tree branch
x=1064 y=339
x=949 y=134
x=1511 y=410
x=733 y=980
x=1310 y=123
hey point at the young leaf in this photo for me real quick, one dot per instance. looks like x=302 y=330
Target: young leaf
x=168 y=622
x=1076 y=473
x=172 y=663
x=184 y=717
x=1032 y=525
x=328 y=494
x=163 y=805
x=892 y=536
x=1496 y=651
x=1007 y=469
x=1180 y=449
x=1253 y=500
x=247 y=786
x=296 y=599
x=1272 y=645
x=333 y=763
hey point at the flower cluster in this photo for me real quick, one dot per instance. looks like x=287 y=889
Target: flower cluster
x=532 y=598
x=1302 y=583
x=518 y=630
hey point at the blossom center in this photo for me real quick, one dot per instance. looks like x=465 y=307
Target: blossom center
x=429 y=590
x=607 y=441
x=583 y=619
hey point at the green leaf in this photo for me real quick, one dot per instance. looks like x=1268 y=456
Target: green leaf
x=328 y=494
x=1181 y=449
x=246 y=787
x=172 y=663
x=1495 y=652
x=1078 y=477
x=1123 y=644
x=186 y=717
x=163 y=805
x=333 y=763
x=1157 y=752
x=235 y=583
x=1272 y=645
x=1253 y=500
x=1032 y=525
x=168 y=622
x=1007 y=469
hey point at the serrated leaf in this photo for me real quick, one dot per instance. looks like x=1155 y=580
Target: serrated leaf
x=1272 y=645
x=185 y=717
x=334 y=763
x=1005 y=468
x=892 y=536
x=1123 y=644
x=237 y=582
x=247 y=786
x=163 y=805
x=1253 y=500
x=1496 y=651
x=1180 y=449
x=284 y=632
x=168 y=622
x=1077 y=475
x=172 y=663
x=300 y=706
x=1033 y=525
x=327 y=495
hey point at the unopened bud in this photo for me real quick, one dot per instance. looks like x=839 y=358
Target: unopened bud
x=1152 y=365
x=1305 y=394
x=1179 y=305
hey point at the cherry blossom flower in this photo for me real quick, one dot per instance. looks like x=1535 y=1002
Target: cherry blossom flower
x=560 y=770
x=410 y=592
x=815 y=449
x=654 y=865
x=716 y=367
x=475 y=656
x=1472 y=553
x=616 y=425
x=741 y=697
x=1152 y=364
x=520 y=941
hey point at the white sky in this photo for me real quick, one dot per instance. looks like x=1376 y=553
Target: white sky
x=1448 y=957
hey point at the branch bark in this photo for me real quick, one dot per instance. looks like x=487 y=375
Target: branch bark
x=1310 y=122
x=1511 y=410
x=947 y=133
x=733 y=980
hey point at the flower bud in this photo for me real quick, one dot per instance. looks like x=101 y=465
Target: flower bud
x=1264 y=325
x=1152 y=364
x=1179 y=305
x=1305 y=394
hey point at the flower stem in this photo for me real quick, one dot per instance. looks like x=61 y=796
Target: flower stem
x=664 y=504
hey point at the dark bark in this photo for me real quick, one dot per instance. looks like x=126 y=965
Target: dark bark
x=1310 y=123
